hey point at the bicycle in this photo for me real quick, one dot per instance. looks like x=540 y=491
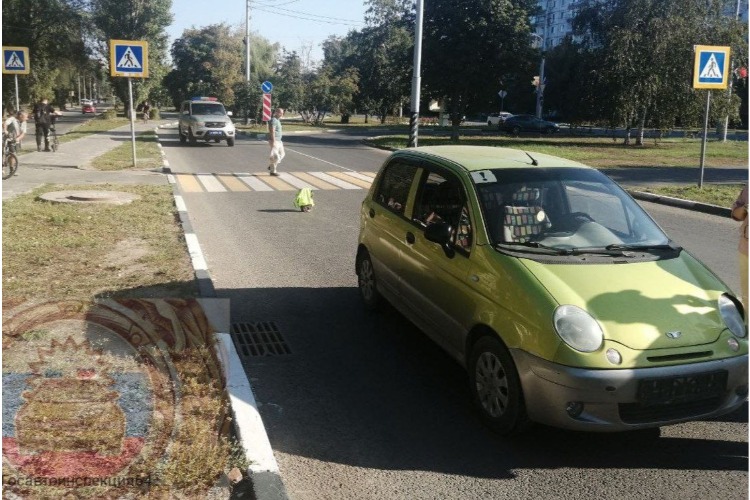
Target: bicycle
x=54 y=143
x=10 y=160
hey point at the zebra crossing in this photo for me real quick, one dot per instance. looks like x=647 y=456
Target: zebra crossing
x=285 y=181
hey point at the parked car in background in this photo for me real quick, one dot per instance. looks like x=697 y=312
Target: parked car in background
x=528 y=123
x=563 y=299
x=88 y=108
x=497 y=118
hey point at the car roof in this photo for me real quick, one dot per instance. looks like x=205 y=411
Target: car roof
x=472 y=158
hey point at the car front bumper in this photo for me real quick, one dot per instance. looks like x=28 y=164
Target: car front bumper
x=212 y=133
x=608 y=400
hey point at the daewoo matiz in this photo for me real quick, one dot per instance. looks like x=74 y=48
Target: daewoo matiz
x=563 y=299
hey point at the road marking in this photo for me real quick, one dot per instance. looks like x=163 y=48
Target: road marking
x=233 y=183
x=319 y=159
x=362 y=176
x=345 y=176
x=333 y=180
x=285 y=181
x=254 y=182
x=276 y=183
x=189 y=184
x=294 y=181
x=314 y=181
x=179 y=203
x=211 y=183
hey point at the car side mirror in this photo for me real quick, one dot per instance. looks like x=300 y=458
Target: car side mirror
x=440 y=233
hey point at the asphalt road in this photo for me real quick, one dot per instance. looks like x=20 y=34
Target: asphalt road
x=363 y=405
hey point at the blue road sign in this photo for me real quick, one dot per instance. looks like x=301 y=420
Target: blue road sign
x=711 y=69
x=129 y=58
x=266 y=87
x=16 y=60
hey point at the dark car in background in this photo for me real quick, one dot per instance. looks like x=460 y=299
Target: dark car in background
x=528 y=123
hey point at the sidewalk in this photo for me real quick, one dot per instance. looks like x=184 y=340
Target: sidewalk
x=69 y=165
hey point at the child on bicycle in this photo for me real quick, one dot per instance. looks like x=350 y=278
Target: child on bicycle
x=14 y=127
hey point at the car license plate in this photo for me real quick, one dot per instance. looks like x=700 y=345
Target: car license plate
x=213 y=132
x=680 y=389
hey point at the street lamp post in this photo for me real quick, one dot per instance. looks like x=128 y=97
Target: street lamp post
x=416 y=80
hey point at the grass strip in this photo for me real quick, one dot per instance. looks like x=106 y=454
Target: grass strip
x=147 y=154
x=722 y=195
x=79 y=251
x=599 y=152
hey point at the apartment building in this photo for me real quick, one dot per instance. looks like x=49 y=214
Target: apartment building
x=556 y=16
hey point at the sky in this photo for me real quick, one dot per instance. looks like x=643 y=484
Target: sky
x=297 y=25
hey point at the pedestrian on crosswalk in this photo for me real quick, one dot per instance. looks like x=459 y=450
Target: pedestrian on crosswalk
x=274 y=140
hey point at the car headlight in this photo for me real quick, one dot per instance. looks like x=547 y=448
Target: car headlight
x=578 y=328
x=732 y=316
x=200 y=124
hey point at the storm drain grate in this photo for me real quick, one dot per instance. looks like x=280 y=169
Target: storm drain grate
x=259 y=339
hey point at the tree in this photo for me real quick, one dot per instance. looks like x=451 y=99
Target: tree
x=644 y=50
x=53 y=32
x=209 y=61
x=145 y=20
x=469 y=46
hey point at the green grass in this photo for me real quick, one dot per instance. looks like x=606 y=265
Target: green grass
x=79 y=251
x=600 y=152
x=147 y=154
x=722 y=195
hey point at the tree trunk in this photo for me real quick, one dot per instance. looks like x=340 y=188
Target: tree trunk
x=641 y=127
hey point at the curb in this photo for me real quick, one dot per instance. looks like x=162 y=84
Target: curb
x=263 y=477
x=680 y=203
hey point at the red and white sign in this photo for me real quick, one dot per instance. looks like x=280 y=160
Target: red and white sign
x=266 y=107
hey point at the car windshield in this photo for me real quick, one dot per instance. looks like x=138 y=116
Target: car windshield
x=563 y=210
x=208 y=109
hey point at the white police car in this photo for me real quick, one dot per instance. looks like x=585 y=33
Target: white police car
x=204 y=118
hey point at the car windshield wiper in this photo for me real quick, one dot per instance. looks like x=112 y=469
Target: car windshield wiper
x=644 y=248
x=536 y=246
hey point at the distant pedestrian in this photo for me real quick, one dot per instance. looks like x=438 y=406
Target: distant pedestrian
x=274 y=140
x=44 y=116
x=146 y=111
x=739 y=212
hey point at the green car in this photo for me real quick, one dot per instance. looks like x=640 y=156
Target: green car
x=565 y=302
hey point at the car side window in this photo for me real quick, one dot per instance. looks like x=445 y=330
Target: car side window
x=441 y=199
x=393 y=188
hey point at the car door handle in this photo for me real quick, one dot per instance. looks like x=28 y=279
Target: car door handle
x=372 y=213
x=410 y=239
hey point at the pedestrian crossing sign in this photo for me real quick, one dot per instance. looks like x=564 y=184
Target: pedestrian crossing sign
x=711 y=68
x=16 y=60
x=128 y=58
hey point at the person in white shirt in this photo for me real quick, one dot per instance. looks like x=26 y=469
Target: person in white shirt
x=14 y=126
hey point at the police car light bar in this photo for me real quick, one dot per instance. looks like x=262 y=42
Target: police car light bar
x=204 y=99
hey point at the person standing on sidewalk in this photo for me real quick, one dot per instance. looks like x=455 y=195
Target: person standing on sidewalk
x=44 y=115
x=739 y=212
x=274 y=140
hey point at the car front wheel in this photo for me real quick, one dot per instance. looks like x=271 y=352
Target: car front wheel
x=230 y=141
x=516 y=130
x=183 y=139
x=368 y=289
x=496 y=388
x=191 y=137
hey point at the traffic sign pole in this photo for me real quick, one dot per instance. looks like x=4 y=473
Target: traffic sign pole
x=132 y=117
x=703 y=142
x=18 y=102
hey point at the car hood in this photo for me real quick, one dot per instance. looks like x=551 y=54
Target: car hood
x=636 y=304
x=212 y=118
